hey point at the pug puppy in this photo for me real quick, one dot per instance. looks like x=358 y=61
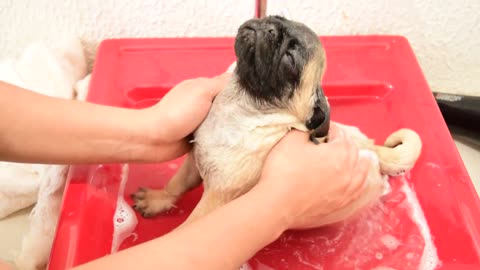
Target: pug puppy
x=275 y=88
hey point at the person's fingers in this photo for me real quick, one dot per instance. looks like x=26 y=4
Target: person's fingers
x=216 y=84
x=5 y=266
x=206 y=87
x=335 y=133
x=358 y=182
x=186 y=85
x=174 y=150
x=343 y=149
x=293 y=140
x=227 y=74
x=296 y=135
x=352 y=152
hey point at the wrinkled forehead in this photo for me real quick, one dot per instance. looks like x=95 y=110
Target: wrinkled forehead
x=296 y=30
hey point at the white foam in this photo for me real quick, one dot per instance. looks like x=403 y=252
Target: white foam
x=387 y=188
x=124 y=219
x=433 y=165
x=307 y=263
x=390 y=241
x=370 y=155
x=173 y=166
x=429 y=260
x=245 y=266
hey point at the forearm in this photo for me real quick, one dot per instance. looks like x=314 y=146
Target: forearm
x=224 y=239
x=37 y=128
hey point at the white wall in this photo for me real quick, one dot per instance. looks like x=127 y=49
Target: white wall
x=25 y=21
x=444 y=34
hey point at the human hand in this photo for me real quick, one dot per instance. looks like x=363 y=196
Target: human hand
x=312 y=181
x=182 y=110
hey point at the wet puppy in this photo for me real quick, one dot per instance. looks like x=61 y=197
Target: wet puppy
x=275 y=87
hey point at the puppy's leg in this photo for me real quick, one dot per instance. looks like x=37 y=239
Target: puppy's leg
x=150 y=202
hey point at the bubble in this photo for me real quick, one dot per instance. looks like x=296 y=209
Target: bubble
x=173 y=166
x=429 y=260
x=124 y=219
x=390 y=241
x=245 y=266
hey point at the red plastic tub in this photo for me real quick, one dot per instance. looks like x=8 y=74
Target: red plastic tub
x=373 y=82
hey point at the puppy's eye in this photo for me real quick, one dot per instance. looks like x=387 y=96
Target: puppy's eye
x=292 y=45
x=288 y=64
x=272 y=33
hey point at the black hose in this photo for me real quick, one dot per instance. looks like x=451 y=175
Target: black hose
x=460 y=112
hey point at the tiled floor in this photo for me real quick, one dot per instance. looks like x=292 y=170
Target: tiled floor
x=13 y=227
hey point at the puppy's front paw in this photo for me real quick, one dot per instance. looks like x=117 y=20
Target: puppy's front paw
x=150 y=202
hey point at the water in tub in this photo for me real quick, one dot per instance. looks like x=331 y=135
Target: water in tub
x=390 y=235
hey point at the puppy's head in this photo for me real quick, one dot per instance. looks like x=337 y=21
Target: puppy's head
x=280 y=64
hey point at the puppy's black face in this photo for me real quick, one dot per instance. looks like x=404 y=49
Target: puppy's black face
x=278 y=61
x=271 y=55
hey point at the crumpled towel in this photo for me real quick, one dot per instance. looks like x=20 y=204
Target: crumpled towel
x=52 y=71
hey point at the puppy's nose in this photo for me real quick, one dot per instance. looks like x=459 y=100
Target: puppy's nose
x=247 y=35
x=271 y=31
x=248 y=30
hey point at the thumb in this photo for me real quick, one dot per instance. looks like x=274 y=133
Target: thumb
x=217 y=84
x=335 y=133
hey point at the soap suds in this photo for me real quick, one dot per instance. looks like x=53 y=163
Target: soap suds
x=173 y=166
x=245 y=266
x=124 y=219
x=307 y=263
x=390 y=241
x=390 y=235
x=429 y=258
x=433 y=165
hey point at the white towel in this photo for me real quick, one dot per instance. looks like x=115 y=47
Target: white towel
x=52 y=71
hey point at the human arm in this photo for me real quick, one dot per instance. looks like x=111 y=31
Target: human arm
x=232 y=234
x=41 y=129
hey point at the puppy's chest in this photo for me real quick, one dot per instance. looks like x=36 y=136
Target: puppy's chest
x=233 y=142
